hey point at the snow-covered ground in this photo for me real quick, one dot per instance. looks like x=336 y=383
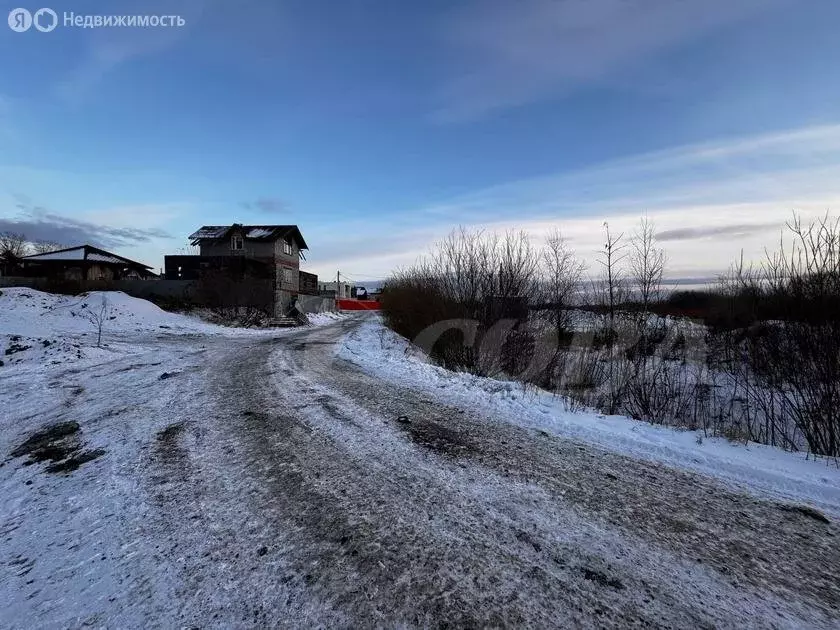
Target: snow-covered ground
x=323 y=319
x=42 y=329
x=26 y=311
x=202 y=476
x=75 y=541
x=764 y=470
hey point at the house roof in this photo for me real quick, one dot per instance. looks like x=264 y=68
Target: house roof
x=84 y=253
x=251 y=232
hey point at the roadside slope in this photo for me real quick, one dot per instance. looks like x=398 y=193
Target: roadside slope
x=763 y=470
x=455 y=515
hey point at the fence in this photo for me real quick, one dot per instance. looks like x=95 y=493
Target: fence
x=17 y=281
x=180 y=291
x=315 y=304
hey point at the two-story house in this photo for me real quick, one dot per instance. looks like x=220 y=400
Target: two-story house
x=270 y=251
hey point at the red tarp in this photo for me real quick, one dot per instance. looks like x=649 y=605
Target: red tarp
x=358 y=305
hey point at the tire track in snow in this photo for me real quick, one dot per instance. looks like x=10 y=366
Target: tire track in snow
x=390 y=529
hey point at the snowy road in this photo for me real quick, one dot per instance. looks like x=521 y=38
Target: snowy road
x=260 y=481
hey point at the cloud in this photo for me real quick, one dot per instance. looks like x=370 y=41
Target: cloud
x=251 y=28
x=508 y=54
x=109 y=48
x=782 y=166
x=708 y=202
x=107 y=53
x=40 y=225
x=365 y=249
x=729 y=231
x=270 y=205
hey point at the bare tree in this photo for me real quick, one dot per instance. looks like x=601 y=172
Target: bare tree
x=647 y=263
x=45 y=247
x=610 y=293
x=13 y=245
x=612 y=283
x=97 y=316
x=562 y=279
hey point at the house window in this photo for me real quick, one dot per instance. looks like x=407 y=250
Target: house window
x=236 y=243
x=288 y=275
x=287 y=247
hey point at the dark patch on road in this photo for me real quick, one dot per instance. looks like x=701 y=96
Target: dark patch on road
x=678 y=526
x=171 y=461
x=528 y=540
x=260 y=421
x=74 y=461
x=436 y=437
x=601 y=578
x=304 y=344
x=329 y=405
x=58 y=443
x=134 y=366
x=15 y=348
x=171 y=432
x=806 y=510
x=41 y=443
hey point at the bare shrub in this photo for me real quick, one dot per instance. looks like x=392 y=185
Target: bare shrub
x=782 y=347
x=230 y=300
x=468 y=277
x=761 y=363
x=97 y=316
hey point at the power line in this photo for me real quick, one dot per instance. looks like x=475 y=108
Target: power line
x=362 y=276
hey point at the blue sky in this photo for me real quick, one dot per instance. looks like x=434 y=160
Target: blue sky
x=379 y=126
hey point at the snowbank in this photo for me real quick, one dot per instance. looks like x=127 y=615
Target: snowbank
x=44 y=329
x=28 y=312
x=761 y=469
x=323 y=319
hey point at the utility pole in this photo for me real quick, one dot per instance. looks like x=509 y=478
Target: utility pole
x=338 y=285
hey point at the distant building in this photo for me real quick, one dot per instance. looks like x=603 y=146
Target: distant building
x=344 y=292
x=83 y=263
x=269 y=253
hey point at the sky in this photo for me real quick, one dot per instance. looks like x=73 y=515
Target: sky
x=379 y=126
